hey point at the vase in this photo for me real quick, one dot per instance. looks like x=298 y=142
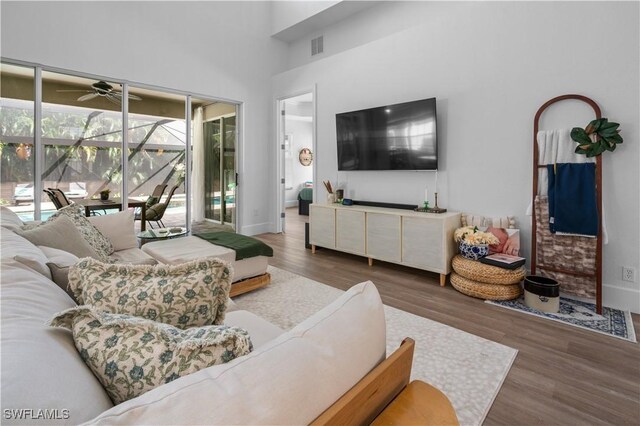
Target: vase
x=473 y=252
x=331 y=198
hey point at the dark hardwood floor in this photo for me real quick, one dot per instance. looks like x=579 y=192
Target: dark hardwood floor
x=562 y=375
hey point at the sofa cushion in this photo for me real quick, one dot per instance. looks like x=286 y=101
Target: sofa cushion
x=100 y=244
x=61 y=234
x=260 y=330
x=131 y=355
x=40 y=365
x=290 y=380
x=58 y=263
x=118 y=228
x=135 y=256
x=13 y=246
x=192 y=294
x=9 y=219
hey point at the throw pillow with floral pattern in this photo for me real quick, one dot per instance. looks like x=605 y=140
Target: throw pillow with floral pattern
x=100 y=244
x=190 y=294
x=132 y=355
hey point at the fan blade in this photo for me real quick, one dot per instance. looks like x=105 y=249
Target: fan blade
x=112 y=97
x=134 y=97
x=74 y=90
x=87 y=97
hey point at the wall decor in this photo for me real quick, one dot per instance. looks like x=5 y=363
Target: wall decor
x=305 y=157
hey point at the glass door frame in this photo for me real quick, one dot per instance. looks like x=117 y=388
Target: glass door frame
x=38 y=148
x=234 y=218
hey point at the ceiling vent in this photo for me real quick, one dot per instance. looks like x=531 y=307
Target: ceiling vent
x=317 y=45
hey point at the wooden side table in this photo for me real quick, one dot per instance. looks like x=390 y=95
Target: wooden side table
x=418 y=404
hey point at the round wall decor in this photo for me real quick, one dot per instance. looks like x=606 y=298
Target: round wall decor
x=305 y=157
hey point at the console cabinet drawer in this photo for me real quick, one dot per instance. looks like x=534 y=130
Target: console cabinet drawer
x=322 y=226
x=350 y=234
x=422 y=243
x=383 y=236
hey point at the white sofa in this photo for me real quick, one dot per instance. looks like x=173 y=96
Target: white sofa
x=290 y=377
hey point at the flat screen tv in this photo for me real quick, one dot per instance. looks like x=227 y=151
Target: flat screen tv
x=393 y=137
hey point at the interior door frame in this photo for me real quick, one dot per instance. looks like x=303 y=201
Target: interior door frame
x=279 y=151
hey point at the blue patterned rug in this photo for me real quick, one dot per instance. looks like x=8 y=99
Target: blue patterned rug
x=612 y=322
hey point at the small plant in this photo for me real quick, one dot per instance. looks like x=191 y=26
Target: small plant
x=472 y=236
x=599 y=136
x=104 y=194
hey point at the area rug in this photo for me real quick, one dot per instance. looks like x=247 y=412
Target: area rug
x=612 y=322
x=469 y=369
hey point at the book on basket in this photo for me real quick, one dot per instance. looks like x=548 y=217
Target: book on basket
x=502 y=260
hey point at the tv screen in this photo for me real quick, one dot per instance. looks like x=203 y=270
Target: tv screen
x=393 y=137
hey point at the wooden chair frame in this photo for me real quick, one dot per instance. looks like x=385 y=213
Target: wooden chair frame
x=366 y=400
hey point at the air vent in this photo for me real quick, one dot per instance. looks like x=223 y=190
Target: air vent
x=317 y=45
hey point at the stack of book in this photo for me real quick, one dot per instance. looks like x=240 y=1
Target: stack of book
x=502 y=260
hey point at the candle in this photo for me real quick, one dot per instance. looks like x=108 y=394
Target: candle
x=426 y=194
x=436 y=181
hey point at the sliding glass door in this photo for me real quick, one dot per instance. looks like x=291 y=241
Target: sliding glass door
x=220 y=169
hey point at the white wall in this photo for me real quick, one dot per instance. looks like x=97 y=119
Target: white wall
x=301 y=133
x=218 y=49
x=490 y=65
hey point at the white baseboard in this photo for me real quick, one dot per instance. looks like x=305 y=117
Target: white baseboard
x=258 y=228
x=291 y=203
x=621 y=298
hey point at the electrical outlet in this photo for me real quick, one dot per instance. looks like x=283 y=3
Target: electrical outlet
x=628 y=274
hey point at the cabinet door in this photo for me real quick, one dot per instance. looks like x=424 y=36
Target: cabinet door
x=322 y=226
x=422 y=243
x=383 y=236
x=350 y=231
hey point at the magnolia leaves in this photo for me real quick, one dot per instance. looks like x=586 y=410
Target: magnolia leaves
x=599 y=136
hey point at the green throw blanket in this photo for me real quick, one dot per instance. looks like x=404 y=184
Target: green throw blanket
x=306 y=194
x=244 y=246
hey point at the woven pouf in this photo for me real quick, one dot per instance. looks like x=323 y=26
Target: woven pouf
x=483 y=273
x=483 y=290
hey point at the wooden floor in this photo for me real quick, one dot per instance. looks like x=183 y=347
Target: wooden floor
x=562 y=375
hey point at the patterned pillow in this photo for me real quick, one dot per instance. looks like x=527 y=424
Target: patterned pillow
x=100 y=244
x=191 y=294
x=508 y=222
x=131 y=355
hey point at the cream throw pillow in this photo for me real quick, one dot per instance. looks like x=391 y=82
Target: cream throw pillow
x=191 y=294
x=100 y=244
x=132 y=355
x=61 y=234
x=118 y=228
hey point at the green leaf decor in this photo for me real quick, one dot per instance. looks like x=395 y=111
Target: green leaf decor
x=599 y=136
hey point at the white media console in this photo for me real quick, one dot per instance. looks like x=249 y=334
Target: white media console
x=415 y=239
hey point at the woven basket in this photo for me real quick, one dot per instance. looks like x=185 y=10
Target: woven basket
x=483 y=290
x=489 y=274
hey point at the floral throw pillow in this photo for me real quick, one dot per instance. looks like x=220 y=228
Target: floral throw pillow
x=190 y=294
x=132 y=355
x=100 y=244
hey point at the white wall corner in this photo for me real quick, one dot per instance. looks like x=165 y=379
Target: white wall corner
x=621 y=298
x=258 y=228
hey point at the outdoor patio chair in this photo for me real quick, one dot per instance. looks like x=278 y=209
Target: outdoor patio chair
x=156 y=212
x=57 y=197
x=153 y=199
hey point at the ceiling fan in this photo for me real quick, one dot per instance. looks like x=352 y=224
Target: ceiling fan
x=104 y=89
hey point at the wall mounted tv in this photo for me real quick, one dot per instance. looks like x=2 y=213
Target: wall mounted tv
x=393 y=137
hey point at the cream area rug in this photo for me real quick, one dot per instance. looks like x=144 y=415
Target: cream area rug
x=469 y=369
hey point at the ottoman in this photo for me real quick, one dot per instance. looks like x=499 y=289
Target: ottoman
x=486 y=281
x=249 y=274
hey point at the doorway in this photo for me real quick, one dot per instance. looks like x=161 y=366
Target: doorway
x=296 y=156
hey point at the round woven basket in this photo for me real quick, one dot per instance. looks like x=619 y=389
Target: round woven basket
x=483 y=290
x=489 y=274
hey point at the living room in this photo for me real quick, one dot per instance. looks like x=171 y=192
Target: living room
x=489 y=65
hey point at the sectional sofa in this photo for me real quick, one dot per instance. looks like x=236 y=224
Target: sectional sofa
x=291 y=377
